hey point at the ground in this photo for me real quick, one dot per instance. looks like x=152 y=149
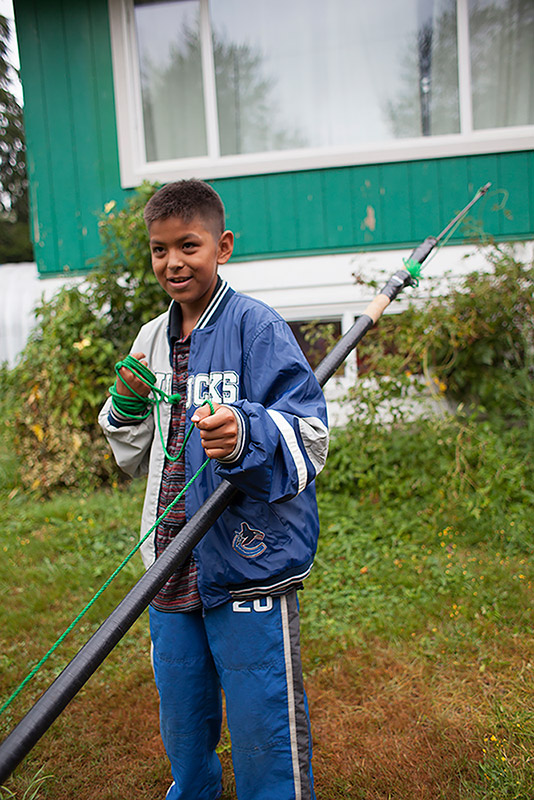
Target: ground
x=379 y=730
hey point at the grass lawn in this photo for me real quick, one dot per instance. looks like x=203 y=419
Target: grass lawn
x=416 y=625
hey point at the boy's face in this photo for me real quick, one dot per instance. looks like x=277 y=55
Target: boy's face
x=185 y=256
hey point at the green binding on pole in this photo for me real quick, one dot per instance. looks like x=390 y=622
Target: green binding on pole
x=414 y=268
x=414 y=262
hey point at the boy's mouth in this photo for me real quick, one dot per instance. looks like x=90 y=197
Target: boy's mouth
x=176 y=279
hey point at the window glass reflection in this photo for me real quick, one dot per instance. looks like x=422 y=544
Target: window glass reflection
x=502 y=62
x=168 y=43
x=311 y=73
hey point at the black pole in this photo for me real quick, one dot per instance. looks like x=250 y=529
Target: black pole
x=337 y=355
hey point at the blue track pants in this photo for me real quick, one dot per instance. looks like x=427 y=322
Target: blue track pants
x=251 y=650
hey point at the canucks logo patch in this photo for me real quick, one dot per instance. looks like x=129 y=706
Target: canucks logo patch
x=249 y=542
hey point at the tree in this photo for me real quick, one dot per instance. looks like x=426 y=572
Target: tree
x=246 y=101
x=15 y=242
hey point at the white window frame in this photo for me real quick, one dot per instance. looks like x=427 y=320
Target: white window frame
x=134 y=168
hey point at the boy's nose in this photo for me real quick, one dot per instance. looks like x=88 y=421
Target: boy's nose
x=175 y=260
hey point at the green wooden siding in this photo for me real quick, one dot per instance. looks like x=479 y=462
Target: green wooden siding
x=73 y=167
x=376 y=207
x=70 y=126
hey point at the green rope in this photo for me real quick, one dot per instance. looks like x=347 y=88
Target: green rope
x=171 y=398
x=414 y=268
x=135 y=407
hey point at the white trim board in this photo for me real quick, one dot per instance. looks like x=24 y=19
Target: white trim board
x=322 y=287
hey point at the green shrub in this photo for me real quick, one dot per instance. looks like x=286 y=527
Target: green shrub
x=432 y=473
x=475 y=342
x=122 y=285
x=61 y=381
x=481 y=338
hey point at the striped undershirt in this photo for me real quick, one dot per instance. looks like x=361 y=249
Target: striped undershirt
x=180 y=593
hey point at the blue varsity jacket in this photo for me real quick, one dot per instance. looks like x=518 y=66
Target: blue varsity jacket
x=242 y=354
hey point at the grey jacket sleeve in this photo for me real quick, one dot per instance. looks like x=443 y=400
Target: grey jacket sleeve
x=130 y=443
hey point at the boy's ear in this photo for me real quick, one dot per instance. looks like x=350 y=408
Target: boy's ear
x=225 y=247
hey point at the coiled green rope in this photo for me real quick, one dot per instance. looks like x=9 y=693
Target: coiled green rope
x=139 y=407
x=134 y=365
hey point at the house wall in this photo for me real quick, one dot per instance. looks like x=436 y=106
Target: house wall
x=73 y=167
x=70 y=126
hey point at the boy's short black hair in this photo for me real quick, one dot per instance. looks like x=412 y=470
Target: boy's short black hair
x=186 y=199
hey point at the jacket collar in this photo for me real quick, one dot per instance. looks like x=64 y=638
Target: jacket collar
x=221 y=295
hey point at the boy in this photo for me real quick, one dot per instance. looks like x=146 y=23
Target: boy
x=229 y=617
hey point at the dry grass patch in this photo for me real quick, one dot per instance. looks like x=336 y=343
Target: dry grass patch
x=379 y=731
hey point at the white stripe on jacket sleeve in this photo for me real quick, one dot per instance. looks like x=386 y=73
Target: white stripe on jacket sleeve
x=290 y=439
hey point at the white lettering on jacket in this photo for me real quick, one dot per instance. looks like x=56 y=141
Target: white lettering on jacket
x=220 y=387
x=164 y=381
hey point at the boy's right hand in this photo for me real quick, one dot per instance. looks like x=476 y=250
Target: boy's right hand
x=132 y=380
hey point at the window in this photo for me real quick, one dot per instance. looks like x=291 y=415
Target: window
x=231 y=87
x=502 y=62
x=316 y=338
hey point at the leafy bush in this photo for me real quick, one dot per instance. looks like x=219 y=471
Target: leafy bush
x=455 y=471
x=481 y=338
x=122 y=284
x=62 y=380
x=67 y=365
x=475 y=342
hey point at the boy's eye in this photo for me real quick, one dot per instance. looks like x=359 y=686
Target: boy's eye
x=156 y=250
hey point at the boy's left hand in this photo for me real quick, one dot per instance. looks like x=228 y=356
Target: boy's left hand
x=218 y=431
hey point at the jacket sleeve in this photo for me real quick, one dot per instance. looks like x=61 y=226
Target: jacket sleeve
x=285 y=435
x=130 y=441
